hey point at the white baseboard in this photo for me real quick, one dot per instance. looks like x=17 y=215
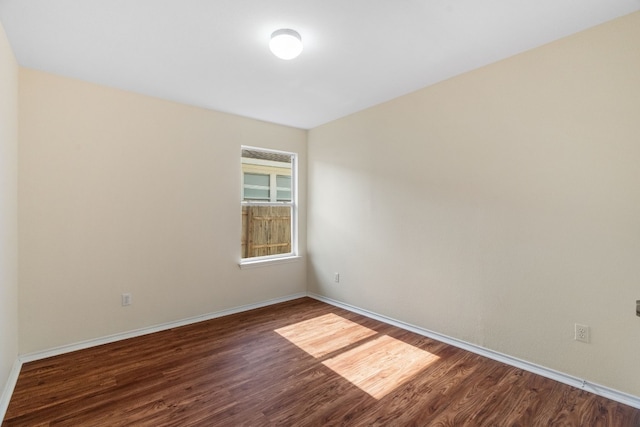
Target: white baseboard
x=609 y=393
x=618 y=396
x=8 y=388
x=38 y=355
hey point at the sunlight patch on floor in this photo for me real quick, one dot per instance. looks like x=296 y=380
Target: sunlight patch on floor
x=325 y=334
x=377 y=366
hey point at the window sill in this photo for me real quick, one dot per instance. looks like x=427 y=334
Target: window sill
x=270 y=261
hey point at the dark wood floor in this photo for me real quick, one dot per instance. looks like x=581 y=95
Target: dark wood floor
x=300 y=363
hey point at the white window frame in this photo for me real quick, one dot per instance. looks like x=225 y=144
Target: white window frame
x=293 y=204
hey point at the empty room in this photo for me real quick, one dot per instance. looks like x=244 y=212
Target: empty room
x=297 y=213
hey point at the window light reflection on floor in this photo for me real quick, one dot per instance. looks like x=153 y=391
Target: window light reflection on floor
x=376 y=366
x=325 y=334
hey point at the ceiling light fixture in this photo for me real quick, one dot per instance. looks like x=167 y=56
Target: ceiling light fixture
x=285 y=43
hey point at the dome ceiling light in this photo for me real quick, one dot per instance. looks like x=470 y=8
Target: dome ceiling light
x=285 y=43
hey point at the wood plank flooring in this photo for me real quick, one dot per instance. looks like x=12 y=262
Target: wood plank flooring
x=299 y=363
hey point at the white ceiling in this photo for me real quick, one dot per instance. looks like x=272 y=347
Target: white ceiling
x=214 y=53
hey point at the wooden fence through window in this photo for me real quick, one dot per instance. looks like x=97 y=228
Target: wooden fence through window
x=266 y=230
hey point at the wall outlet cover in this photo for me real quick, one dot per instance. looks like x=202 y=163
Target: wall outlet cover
x=582 y=333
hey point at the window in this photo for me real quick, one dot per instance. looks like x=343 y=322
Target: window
x=256 y=186
x=269 y=210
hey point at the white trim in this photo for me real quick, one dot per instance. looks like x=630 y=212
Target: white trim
x=262 y=162
x=264 y=203
x=10 y=385
x=38 y=355
x=270 y=260
x=609 y=393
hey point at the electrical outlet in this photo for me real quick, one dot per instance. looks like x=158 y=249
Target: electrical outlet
x=336 y=277
x=126 y=299
x=581 y=333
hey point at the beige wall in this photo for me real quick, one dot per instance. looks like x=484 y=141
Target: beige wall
x=8 y=209
x=124 y=193
x=499 y=207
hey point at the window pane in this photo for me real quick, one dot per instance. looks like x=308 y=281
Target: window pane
x=256 y=187
x=256 y=179
x=266 y=230
x=256 y=194
x=283 y=190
